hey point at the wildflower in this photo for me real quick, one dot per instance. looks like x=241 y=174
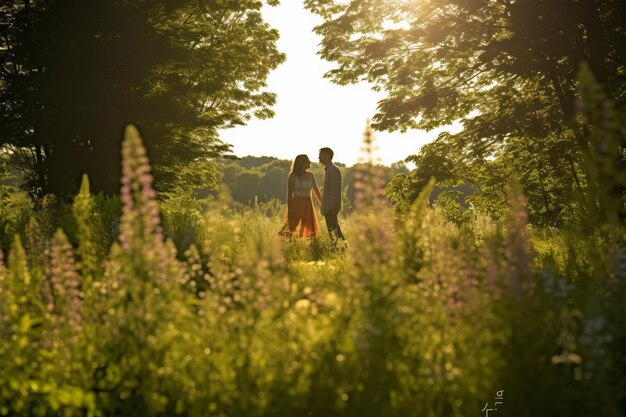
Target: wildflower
x=83 y=209
x=140 y=212
x=141 y=234
x=64 y=297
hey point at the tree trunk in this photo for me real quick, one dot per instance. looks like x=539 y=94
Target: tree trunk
x=40 y=169
x=565 y=96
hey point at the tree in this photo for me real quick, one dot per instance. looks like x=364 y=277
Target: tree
x=74 y=73
x=247 y=187
x=438 y=60
x=273 y=184
x=506 y=69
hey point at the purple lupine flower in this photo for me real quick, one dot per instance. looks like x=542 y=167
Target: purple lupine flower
x=137 y=192
x=62 y=274
x=141 y=233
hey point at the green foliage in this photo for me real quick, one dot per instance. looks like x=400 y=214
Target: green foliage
x=507 y=71
x=182 y=218
x=90 y=251
x=180 y=70
x=451 y=206
x=438 y=61
x=420 y=315
x=605 y=158
x=15 y=209
x=562 y=185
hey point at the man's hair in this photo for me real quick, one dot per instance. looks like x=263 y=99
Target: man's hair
x=328 y=152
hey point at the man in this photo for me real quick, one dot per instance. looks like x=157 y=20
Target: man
x=331 y=197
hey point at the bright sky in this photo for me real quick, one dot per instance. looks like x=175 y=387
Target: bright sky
x=311 y=112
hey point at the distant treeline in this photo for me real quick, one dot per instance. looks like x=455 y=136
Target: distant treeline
x=265 y=178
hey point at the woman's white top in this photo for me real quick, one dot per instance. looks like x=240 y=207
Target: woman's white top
x=303 y=187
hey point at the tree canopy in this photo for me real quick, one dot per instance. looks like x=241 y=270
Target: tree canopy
x=506 y=69
x=74 y=73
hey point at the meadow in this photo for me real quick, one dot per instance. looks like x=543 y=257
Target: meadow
x=203 y=310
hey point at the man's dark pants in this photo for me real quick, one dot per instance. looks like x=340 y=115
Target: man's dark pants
x=333 y=226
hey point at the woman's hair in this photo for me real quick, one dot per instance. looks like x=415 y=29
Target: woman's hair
x=299 y=165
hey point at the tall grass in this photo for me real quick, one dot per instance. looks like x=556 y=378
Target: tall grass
x=420 y=316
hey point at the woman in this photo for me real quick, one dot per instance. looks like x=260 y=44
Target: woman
x=301 y=218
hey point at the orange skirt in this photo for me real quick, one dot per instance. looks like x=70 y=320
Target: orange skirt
x=303 y=222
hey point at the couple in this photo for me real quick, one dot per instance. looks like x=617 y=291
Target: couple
x=301 y=218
